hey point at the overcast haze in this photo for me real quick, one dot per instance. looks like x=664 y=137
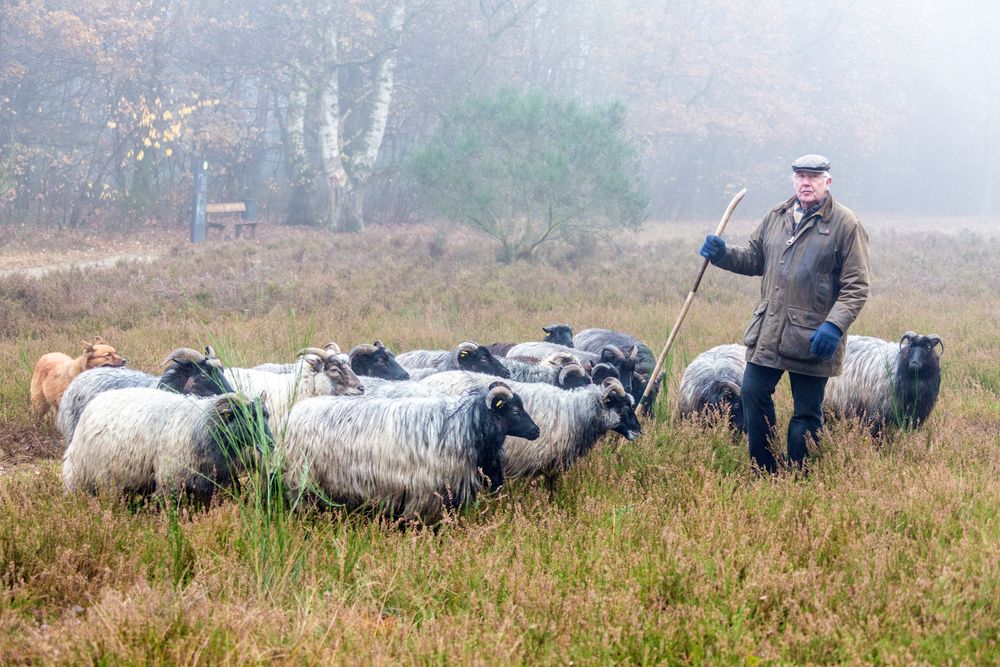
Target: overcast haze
x=286 y=98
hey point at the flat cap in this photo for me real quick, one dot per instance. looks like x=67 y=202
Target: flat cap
x=813 y=163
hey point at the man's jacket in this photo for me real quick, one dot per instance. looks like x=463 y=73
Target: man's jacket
x=817 y=274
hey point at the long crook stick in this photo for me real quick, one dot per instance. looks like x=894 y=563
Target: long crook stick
x=645 y=400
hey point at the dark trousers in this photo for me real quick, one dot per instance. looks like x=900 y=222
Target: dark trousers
x=758 y=411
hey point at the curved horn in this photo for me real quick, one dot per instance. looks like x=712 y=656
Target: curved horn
x=469 y=346
x=613 y=386
x=936 y=340
x=908 y=336
x=332 y=348
x=614 y=351
x=498 y=390
x=733 y=387
x=322 y=354
x=364 y=348
x=184 y=354
x=574 y=369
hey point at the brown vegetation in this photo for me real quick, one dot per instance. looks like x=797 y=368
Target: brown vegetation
x=664 y=550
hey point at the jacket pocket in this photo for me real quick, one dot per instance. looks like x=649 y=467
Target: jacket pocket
x=752 y=333
x=800 y=325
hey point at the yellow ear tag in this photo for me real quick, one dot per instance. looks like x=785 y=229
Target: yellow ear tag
x=463 y=353
x=499 y=404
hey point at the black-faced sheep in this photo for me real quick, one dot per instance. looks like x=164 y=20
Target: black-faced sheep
x=595 y=340
x=409 y=458
x=560 y=334
x=376 y=360
x=571 y=422
x=885 y=383
x=546 y=371
x=188 y=372
x=611 y=354
x=318 y=373
x=142 y=440
x=467 y=356
x=711 y=383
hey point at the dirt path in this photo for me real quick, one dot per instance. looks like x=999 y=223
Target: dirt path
x=39 y=271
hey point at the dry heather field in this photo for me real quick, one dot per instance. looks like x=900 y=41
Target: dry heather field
x=665 y=550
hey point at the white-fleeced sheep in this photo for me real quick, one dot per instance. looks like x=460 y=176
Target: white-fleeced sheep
x=317 y=373
x=885 y=383
x=188 y=372
x=571 y=422
x=409 y=458
x=712 y=382
x=142 y=440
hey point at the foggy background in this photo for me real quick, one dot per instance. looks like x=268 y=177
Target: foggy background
x=105 y=106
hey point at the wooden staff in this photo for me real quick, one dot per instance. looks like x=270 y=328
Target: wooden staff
x=645 y=401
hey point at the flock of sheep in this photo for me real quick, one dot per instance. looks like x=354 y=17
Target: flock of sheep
x=415 y=434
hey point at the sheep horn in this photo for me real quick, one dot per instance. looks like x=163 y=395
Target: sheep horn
x=210 y=352
x=184 y=354
x=908 y=336
x=936 y=340
x=364 y=348
x=733 y=387
x=498 y=390
x=612 y=386
x=612 y=351
x=569 y=369
x=322 y=354
x=332 y=348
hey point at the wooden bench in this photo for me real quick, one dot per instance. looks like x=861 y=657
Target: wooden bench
x=220 y=216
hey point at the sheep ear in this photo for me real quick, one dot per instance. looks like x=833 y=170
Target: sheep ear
x=379 y=344
x=547 y=330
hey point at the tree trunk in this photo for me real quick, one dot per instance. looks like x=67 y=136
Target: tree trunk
x=301 y=210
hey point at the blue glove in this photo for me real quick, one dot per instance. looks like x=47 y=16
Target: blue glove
x=825 y=341
x=714 y=248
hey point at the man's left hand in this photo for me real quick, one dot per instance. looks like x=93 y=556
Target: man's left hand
x=825 y=341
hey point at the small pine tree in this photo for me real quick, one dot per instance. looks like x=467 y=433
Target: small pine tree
x=525 y=168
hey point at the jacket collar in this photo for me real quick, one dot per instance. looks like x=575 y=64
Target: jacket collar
x=824 y=212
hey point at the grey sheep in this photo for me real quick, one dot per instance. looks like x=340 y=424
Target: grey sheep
x=571 y=422
x=560 y=334
x=467 y=356
x=611 y=354
x=144 y=441
x=885 y=383
x=188 y=372
x=712 y=382
x=411 y=458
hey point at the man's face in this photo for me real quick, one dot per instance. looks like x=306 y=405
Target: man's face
x=810 y=187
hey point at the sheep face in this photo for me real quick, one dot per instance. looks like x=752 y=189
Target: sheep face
x=560 y=334
x=242 y=429
x=507 y=409
x=337 y=367
x=623 y=361
x=377 y=361
x=602 y=371
x=620 y=409
x=190 y=372
x=478 y=359
x=917 y=355
x=727 y=399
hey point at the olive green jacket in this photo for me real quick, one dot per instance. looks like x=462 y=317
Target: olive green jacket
x=818 y=274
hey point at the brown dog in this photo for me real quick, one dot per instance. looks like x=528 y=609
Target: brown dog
x=55 y=370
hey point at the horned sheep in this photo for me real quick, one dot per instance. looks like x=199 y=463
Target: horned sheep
x=571 y=421
x=885 y=383
x=188 y=372
x=144 y=441
x=611 y=354
x=409 y=458
x=318 y=373
x=467 y=356
x=712 y=382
